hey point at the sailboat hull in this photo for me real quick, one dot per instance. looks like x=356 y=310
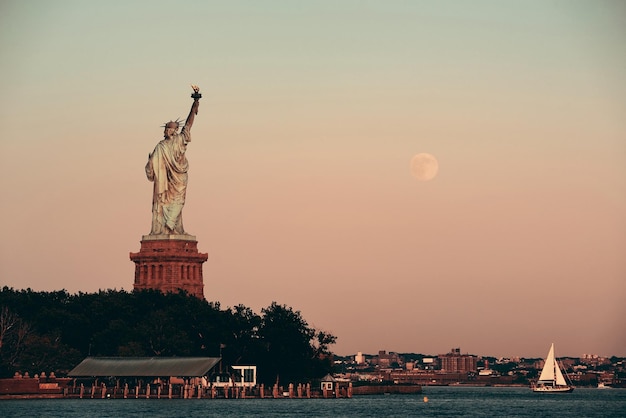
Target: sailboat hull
x=551 y=389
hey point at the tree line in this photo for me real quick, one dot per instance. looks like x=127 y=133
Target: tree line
x=54 y=331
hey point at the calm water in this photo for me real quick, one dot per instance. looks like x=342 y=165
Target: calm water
x=442 y=402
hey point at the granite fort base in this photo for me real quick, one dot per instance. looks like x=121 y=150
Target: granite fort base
x=169 y=263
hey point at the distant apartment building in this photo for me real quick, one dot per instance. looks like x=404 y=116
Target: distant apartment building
x=594 y=360
x=385 y=360
x=454 y=361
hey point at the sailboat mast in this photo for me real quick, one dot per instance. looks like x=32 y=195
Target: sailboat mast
x=554 y=366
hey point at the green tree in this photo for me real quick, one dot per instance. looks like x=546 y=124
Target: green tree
x=242 y=344
x=13 y=335
x=293 y=351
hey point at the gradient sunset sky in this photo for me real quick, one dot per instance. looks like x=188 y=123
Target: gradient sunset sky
x=300 y=186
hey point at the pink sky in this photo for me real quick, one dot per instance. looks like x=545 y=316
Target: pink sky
x=300 y=187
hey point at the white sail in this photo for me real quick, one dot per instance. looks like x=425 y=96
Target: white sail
x=560 y=380
x=547 y=374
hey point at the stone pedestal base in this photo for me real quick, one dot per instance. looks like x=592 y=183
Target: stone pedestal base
x=169 y=263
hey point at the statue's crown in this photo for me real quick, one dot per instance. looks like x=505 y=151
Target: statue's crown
x=172 y=124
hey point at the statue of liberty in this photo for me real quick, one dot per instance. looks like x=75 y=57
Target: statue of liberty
x=167 y=167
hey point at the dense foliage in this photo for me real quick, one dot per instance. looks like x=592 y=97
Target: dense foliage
x=54 y=331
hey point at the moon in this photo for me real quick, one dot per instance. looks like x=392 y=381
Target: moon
x=424 y=166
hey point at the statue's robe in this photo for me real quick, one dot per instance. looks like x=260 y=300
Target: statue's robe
x=167 y=167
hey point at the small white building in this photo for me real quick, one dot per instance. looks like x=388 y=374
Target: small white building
x=328 y=383
x=242 y=376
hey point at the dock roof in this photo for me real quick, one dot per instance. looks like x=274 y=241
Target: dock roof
x=144 y=366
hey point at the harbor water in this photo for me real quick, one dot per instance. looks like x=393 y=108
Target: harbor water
x=451 y=401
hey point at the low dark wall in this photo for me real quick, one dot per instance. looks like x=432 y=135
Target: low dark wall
x=15 y=386
x=23 y=386
x=381 y=389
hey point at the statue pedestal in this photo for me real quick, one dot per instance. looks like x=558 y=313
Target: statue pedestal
x=169 y=263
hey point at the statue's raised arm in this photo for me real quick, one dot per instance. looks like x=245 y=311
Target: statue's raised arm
x=194 y=107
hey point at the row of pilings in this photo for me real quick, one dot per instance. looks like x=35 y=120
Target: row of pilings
x=189 y=391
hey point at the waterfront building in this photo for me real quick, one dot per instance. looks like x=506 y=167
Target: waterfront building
x=454 y=361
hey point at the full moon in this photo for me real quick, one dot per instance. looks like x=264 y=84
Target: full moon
x=424 y=166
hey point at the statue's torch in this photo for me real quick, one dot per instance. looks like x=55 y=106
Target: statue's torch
x=196 y=92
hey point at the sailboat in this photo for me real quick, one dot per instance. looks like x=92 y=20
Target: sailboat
x=551 y=379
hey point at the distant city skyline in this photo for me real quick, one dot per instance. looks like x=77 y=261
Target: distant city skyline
x=301 y=183
x=463 y=352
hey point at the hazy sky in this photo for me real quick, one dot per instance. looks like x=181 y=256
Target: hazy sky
x=300 y=186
